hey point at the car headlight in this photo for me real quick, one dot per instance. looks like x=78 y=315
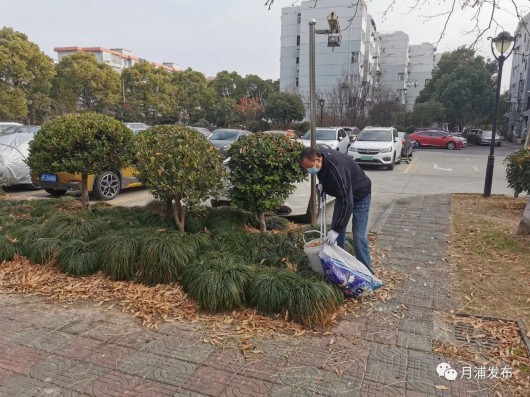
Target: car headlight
x=352 y=149
x=386 y=150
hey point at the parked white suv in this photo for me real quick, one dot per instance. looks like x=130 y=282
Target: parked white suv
x=377 y=146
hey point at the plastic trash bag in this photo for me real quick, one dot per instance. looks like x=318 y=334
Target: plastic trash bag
x=347 y=272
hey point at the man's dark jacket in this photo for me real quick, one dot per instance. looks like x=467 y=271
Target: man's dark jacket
x=342 y=178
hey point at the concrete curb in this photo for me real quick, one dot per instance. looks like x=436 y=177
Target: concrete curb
x=380 y=222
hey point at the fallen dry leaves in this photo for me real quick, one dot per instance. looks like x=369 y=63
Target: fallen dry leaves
x=492 y=280
x=491 y=343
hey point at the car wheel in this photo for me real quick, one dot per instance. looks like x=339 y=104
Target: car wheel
x=451 y=145
x=390 y=166
x=106 y=186
x=400 y=158
x=55 y=192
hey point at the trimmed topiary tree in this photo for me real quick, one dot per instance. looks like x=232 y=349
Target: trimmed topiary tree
x=85 y=144
x=177 y=164
x=263 y=170
x=518 y=175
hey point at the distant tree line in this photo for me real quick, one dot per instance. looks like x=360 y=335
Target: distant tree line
x=33 y=89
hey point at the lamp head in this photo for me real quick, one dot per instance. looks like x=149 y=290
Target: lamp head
x=321 y=102
x=333 y=22
x=503 y=42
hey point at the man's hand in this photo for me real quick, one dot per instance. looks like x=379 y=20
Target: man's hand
x=331 y=237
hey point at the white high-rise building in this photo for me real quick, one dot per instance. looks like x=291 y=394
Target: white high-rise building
x=421 y=65
x=394 y=56
x=333 y=64
x=366 y=58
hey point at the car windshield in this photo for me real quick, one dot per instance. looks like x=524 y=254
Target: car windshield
x=224 y=135
x=322 y=134
x=375 y=135
x=20 y=128
x=486 y=134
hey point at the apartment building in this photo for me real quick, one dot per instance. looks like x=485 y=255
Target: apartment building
x=350 y=61
x=117 y=58
x=366 y=58
x=519 y=91
x=422 y=61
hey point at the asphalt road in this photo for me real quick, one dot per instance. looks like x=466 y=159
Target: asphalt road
x=431 y=171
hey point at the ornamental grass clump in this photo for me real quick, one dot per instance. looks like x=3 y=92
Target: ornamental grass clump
x=217 y=285
x=270 y=290
x=78 y=257
x=49 y=207
x=313 y=302
x=119 y=252
x=164 y=254
x=24 y=235
x=272 y=223
x=80 y=225
x=220 y=219
x=8 y=249
x=43 y=251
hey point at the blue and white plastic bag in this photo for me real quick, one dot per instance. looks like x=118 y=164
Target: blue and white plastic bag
x=347 y=272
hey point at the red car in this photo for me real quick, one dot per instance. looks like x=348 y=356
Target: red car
x=437 y=138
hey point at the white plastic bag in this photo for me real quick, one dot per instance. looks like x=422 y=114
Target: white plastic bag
x=347 y=272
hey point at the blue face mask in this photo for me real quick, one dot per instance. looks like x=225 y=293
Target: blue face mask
x=313 y=170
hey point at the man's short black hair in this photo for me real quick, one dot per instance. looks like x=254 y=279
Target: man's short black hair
x=309 y=153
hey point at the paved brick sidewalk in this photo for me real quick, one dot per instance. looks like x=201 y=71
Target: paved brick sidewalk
x=50 y=350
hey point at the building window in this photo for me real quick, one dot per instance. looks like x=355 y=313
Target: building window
x=298 y=40
x=355 y=57
x=299 y=18
x=297 y=81
x=297 y=60
x=427 y=81
x=401 y=76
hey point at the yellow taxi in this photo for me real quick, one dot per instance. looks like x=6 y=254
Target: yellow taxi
x=104 y=186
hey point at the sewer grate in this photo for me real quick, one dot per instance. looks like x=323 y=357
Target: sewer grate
x=465 y=332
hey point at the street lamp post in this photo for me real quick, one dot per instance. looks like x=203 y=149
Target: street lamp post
x=334 y=40
x=502 y=42
x=321 y=103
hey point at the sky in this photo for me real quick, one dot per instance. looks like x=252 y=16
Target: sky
x=214 y=35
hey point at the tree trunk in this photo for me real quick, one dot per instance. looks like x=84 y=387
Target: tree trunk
x=84 y=191
x=179 y=214
x=169 y=208
x=524 y=225
x=261 y=220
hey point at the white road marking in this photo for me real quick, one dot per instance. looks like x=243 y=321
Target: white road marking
x=441 y=169
x=476 y=168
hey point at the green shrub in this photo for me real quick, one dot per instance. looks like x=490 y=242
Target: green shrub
x=177 y=164
x=8 y=249
x=78 y=257
x=163 y=255
x=518 y=171
x=217 y=285
x=270 y=290
x=313 y=302
x=80 y=225
x=81 y=143
x=43 y=250
x=259 y=126
x=263 y=171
